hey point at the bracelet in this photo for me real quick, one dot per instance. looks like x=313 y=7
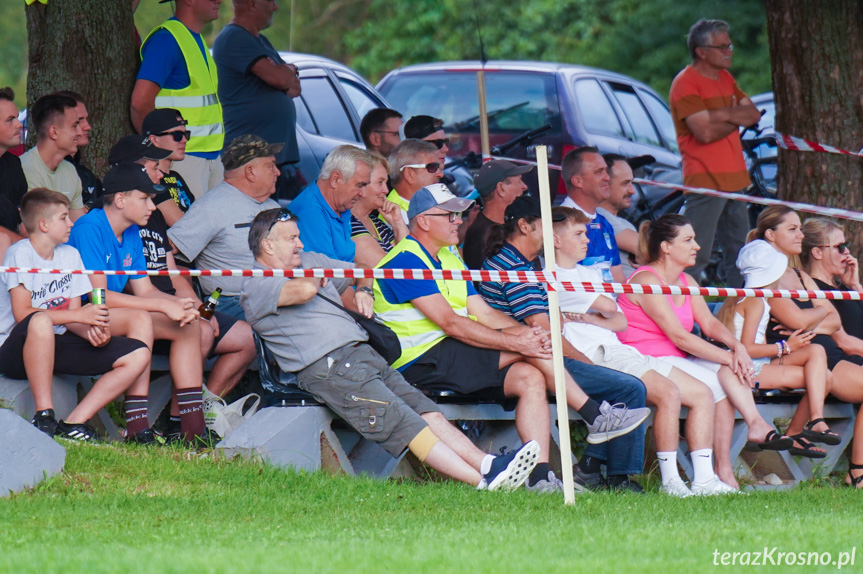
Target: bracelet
x=367 y=290
x=785 y=348
x=778 y=349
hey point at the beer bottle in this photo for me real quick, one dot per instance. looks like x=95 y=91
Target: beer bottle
x=206 y=309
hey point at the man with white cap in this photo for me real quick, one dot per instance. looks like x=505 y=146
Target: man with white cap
x=452 y=340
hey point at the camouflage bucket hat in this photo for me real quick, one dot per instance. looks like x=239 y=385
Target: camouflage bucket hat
x=244 y=149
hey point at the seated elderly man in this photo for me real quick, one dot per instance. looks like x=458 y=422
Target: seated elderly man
x=453 y=340
x=327 y=350
x=214 y=232
x=413 y=165
x=323 y=208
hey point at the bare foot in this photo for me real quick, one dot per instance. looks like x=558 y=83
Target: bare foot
x=727 y=476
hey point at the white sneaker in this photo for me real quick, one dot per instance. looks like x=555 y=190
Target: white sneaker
x=712 y=487
x=676 y=487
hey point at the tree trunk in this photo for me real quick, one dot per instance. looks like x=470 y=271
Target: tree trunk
x=87 y=46
x=816 y=48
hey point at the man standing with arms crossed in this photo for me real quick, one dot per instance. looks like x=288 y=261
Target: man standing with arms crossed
x=708 y=109
x=178 y=72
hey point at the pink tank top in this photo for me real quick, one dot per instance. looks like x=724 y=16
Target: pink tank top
x=643 y=333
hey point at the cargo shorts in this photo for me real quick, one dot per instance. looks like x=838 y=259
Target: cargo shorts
x=374 y=399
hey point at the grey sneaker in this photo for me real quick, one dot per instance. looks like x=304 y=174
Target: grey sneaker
x=587 y=481
x=549 y=485
x=615 y=421
x=509 y=471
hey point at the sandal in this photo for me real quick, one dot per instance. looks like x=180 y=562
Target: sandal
x=806 y=450
x=826 y=437
x=773 y=441
x=855 y=481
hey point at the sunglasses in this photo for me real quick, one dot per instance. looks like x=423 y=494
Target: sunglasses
x=178 y=136
x=842 y=247
x=440 y=143
x=453 y=215
x=283 y=215
x=432 y=167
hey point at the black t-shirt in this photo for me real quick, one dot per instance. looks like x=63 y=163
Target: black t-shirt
x=91 y=186
x=176 y=190
x=475 y=241
x=851 y=312
x=13 y=186
x=154 y=236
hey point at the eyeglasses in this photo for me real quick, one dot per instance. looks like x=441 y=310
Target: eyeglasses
x=432 y=167
x=440 y=143
x=284 y=215
x=722 y=47
x=178 y=136
x=453 y=215
x=842 y=247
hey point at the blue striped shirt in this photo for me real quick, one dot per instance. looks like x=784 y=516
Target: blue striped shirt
x=518 y=300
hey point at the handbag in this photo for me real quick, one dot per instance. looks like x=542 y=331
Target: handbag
x=222 y=418
x=381 y=338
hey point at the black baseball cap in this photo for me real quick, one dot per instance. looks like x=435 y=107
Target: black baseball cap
x=127 y=176
x=134 y=147
x=161 y=120
x=419 y=127
x=495 y=171
x=526 y=207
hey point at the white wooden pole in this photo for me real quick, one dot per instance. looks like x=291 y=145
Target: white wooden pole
x=556 y=330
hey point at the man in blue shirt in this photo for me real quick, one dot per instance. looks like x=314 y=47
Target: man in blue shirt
x=164 y=67
x=585 y=174
x=323 y=208
x=109 y=239
x=518 y=245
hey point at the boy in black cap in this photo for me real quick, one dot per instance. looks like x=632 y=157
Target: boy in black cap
x=109 y=239
x=166 y=129
x=429 y=129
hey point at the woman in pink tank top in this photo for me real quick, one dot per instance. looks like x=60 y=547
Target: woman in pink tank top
x=661 y=325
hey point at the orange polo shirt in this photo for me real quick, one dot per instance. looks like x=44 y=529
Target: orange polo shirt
x=718 y=165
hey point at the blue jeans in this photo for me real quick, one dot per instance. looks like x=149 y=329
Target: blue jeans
x=230 y=305
x=625 y=454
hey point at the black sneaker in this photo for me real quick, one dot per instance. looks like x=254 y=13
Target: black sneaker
x=44 y=421
x=622 y=483
x=509 y=471
x=207 y=440
x=587 y=480
x=146 y=437
x=76 y=431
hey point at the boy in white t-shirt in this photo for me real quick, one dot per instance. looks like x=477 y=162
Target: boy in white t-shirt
x=591 y=322
x=44 y=328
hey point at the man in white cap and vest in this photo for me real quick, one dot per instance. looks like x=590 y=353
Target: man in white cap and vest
x=178 y=72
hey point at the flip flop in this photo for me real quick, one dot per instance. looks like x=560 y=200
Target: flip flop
x=808 y=449
x=826 y=437
x=773 y=441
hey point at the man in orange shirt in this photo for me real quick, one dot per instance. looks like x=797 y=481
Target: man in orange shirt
x=708 y=109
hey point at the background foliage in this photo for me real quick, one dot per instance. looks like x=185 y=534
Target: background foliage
x=645 y=39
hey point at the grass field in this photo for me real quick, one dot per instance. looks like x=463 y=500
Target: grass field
x=119 y=509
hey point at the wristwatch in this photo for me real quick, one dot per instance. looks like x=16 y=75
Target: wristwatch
x=367 y=290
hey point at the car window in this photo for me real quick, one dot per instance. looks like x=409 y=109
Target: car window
x=326 y=109
x=360 y=97
x=515 y=102
x=636 y=114
x=662 y=117
x=597 y=113
x=304 y=119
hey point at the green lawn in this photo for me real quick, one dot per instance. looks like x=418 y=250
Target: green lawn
x=119 y=509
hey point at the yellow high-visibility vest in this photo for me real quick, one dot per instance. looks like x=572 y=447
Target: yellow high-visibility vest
x=416 y=332
x=199 y=102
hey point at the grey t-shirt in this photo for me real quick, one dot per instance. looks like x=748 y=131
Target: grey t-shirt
x=51 y=292
x=299 y=335
x=619 y=224
x=250 y=105
x=214 y=233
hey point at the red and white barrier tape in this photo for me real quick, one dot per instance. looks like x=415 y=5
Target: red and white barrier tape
x=799 y=144
x=467 y=275
x=795 y=205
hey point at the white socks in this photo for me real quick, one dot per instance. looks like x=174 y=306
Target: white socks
x=702 y=464
x=485 y=465
x=667 y=466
